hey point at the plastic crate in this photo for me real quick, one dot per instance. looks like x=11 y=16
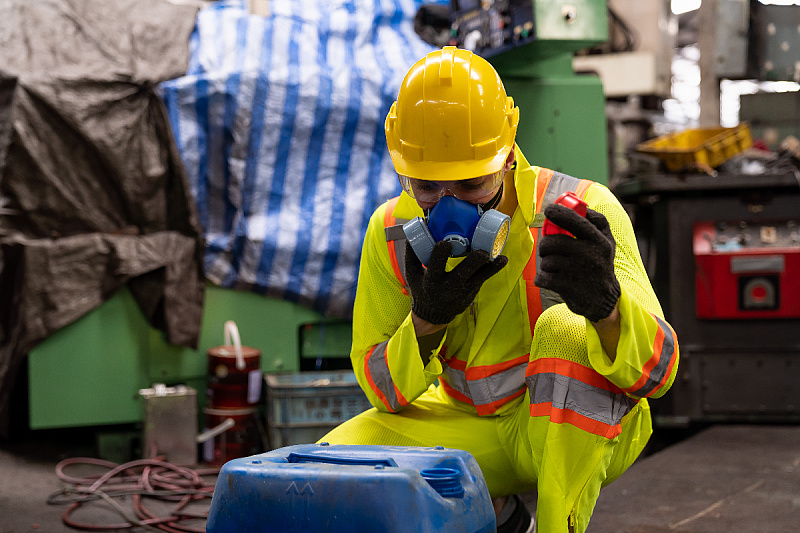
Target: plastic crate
x=698 y=149
x=350 y=489
x=303 y=406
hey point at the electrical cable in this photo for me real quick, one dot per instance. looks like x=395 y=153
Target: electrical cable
x=143 y=480
x=630 y=36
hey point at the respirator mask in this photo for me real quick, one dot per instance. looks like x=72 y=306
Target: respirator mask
x=465 y=225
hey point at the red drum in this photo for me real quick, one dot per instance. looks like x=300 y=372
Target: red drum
x=230 y=386
x=241 y=439
x=234 y=373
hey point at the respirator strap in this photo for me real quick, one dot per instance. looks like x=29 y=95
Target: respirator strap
x=491 y=204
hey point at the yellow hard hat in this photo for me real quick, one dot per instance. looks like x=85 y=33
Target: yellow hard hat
x=452 y=119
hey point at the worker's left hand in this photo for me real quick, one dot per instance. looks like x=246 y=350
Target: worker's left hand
x=581 y=268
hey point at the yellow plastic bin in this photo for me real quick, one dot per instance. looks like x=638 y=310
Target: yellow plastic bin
x=700 y=148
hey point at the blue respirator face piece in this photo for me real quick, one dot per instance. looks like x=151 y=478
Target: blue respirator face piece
x=466 y=226
x=453 y=220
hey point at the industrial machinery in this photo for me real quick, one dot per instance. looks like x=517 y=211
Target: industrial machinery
x=722 y=246
x=531 y=45
x=724 y=254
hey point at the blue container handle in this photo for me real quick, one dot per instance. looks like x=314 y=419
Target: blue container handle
x=312 y=458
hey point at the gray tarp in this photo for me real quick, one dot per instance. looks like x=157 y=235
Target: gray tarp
x=93 y=195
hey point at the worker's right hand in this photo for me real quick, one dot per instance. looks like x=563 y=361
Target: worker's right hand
x=438 y=296
x=580 y=269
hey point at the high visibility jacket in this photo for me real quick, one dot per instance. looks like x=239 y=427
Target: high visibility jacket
x=500 y=350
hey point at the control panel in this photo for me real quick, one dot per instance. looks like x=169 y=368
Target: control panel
x=488 y=28
x=747 y=269
x=491 y=27
x=731 y=236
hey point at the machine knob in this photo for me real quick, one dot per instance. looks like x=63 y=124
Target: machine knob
x=472 y=40
x=570 y=13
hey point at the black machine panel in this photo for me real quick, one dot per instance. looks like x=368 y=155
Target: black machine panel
x=489 y=28
x=724 y=257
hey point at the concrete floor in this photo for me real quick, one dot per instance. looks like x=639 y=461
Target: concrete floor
x=28 y=479
x=731 y=478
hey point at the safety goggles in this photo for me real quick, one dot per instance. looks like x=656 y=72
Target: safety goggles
x=470 y=190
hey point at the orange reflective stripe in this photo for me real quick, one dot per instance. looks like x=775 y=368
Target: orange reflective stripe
x=658 y=369
x=570 y=369
x=485 y=371
x=582 y=188
x=533 y=297
x=389 y=221
x=542 y=181
x=567 y=416
x=388 y=215
x=497 y=380
x=457 y=364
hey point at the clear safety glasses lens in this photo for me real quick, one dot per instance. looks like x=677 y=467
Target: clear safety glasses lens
x=469 y=190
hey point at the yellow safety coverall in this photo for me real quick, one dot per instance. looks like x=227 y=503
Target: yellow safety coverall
x=547 y=410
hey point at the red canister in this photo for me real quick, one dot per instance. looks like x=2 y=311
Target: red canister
x=234 y=373
x=240 y=438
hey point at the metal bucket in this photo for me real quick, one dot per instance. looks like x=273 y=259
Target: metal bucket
x=234 y=373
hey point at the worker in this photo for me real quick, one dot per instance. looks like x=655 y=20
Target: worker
x=538 y=361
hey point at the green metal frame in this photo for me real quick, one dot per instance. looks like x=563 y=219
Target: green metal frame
x=562 y=124
x=562 y=115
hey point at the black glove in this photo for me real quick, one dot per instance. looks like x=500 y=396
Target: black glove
x=580 y=269
x=439 y=296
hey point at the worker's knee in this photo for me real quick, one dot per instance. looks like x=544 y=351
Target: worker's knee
x=559 y=333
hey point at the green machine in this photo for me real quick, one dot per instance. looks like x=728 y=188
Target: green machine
x=90 y=372
x=114 y=352
x=531 y=44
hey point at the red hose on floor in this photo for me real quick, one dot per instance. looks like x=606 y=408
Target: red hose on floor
x=144 y=479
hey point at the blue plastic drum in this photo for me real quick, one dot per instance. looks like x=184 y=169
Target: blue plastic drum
x=347 y=488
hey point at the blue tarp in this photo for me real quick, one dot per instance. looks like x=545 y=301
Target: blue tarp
x=279 y=122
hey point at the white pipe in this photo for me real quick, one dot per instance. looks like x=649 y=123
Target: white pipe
x=216 y=430
x=232 y=331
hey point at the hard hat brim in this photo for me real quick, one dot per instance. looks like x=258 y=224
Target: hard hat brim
x=449 y=170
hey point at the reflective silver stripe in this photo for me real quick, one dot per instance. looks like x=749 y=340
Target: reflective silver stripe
x=497 y=386
x=559 y=184
x=379 y=371
x=489 y=389
x=457 y=379
x=394 y=233
x=572 y=394
x=400 y=252
x=658 y=374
